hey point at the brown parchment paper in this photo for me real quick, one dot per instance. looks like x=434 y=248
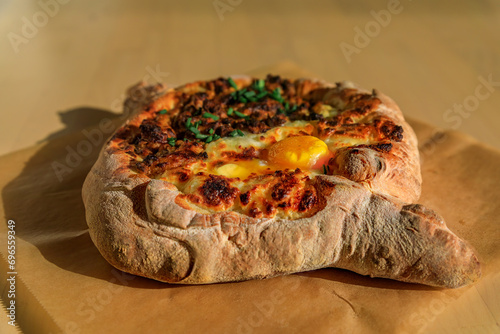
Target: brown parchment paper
x=64 y=285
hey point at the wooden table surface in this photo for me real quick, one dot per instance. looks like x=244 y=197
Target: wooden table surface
x=439 y=60
x=432 y=57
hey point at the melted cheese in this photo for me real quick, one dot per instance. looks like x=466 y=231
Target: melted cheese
x=259 y=141
x=243 y=169
x=288 y=147
x=328 y=111
x=334 y=143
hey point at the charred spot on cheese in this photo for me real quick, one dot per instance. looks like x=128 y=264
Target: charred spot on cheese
x=216 y=190
x=255 y=213
x=269 y=208
x=245 y=198
x=247 y=153
x=152 y=132
x=182 y=175
x=285 y=183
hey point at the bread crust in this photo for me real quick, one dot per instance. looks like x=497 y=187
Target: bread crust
x=395 y=173
x=366 y=226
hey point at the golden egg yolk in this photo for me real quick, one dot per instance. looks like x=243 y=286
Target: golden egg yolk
x=302 y=152
x=242 y=169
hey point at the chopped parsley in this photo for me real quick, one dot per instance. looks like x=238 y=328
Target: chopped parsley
x=261 y=95
x=259 y=85
x=253 y=93
x=201 y=136
x=245 y=95
x=237 y=132
x=287 y=111
x=241 y=115
x=163 y=112
x=232 y=83
x=209 y=115
x=193 y=127
x=249 y=94
x=276 y=95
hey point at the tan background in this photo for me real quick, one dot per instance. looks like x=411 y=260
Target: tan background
x=427 y=58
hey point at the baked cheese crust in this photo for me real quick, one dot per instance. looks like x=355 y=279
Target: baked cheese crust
x=211 y=139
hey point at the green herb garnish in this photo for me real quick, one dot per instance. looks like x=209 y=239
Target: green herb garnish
x=249 y=94
x=276 y=95
x=209 y=115
x=230 y=111
x=237 y=132
x=200 y=136
x=241 y=115
x=261 y=95
x=232 y=83
x=163 y=111
x=259 y=85
x=211 y=131
x=287 y=111
x=241 y=95
x=171 y=141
